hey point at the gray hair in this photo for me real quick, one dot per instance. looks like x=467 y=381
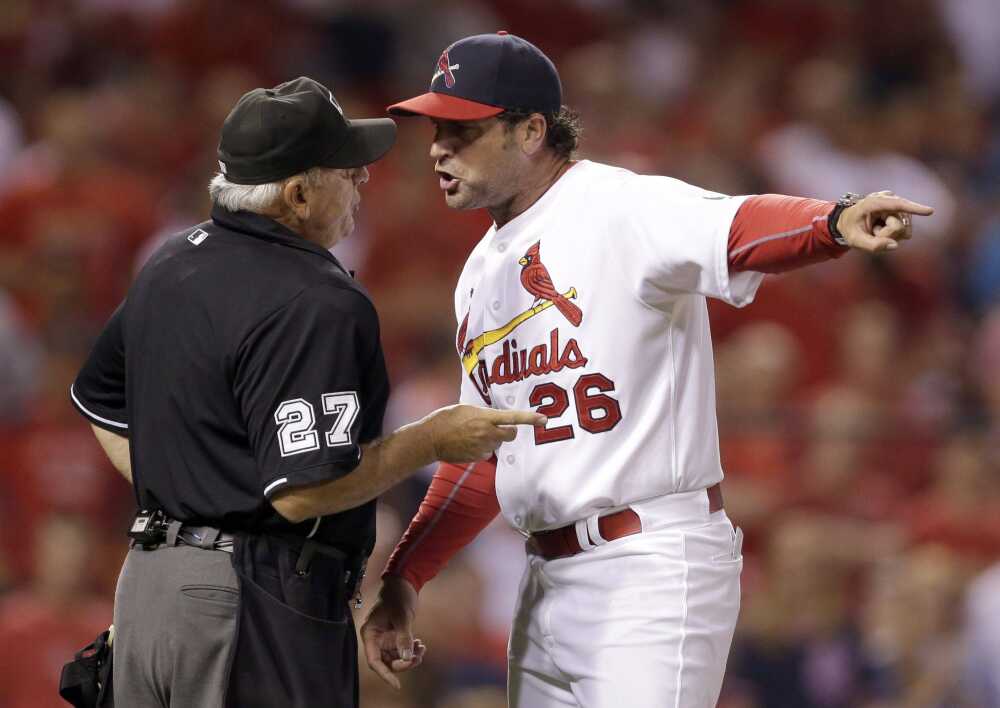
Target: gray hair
x=257 y=198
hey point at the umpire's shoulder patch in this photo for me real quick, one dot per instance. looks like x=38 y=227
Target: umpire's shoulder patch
x=197 y=236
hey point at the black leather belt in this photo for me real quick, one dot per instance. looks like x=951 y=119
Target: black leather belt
x=153 y=529
x=205 y=537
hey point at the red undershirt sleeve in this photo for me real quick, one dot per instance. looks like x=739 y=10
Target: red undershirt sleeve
x=772 y=233
x=460 y=503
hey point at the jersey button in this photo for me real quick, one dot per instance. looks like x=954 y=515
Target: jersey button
x=502 y=247
x=517 y=519
x=510 y=459
x=510 y=400
x=496 y=304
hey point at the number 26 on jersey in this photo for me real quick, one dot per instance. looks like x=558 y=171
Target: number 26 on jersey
x=596 y=412
x=296 y=420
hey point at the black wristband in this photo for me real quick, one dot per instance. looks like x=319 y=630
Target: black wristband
x=846 y=201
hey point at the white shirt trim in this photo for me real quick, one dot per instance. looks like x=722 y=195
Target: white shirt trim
x=276 y=483
x=90 y=414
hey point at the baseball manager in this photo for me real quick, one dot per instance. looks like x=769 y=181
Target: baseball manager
x=586 y=300
x=240 y=387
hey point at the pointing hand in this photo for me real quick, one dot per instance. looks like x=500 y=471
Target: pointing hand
x=880 y=221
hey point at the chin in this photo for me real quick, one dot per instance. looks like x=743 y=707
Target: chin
x=459 y=199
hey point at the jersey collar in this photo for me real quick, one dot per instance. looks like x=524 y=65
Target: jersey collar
x=267 y=229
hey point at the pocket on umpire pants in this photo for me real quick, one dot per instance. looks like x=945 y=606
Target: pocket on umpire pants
x=286 y=656
x=210 y=600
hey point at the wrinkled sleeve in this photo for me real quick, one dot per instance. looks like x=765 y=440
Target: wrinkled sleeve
x=673 y=238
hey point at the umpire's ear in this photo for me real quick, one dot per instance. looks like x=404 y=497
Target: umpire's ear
x=295 y=196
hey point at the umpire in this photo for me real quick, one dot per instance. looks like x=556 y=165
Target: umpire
x=240 y=387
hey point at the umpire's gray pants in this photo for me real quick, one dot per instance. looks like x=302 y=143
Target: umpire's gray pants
x=175 y=624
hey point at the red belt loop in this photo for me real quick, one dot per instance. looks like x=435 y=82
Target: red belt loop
x=562 y=542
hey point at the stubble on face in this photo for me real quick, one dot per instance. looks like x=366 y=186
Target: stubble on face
x=337 y=205
x=485 y=167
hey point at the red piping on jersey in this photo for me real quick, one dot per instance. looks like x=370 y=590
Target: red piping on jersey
x=772 y=233
x=407 y=552
x=765 y=239
x=446 y=522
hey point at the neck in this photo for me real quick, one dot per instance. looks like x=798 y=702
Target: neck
x=288 y=221
x=532 y=189
x=293 y=224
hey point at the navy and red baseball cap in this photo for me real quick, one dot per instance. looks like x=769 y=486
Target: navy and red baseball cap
x=484 y=75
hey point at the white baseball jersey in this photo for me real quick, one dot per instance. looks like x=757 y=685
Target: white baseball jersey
x=590 y=308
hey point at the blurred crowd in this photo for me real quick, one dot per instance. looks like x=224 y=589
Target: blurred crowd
x=859 y=401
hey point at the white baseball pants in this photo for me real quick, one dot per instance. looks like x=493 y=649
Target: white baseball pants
x=644 y=621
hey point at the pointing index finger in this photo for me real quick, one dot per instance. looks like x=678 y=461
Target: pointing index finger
x=519 y=418
x=893 y=203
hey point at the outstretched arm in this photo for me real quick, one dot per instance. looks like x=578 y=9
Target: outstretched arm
x=772 y=233
x=458 y=433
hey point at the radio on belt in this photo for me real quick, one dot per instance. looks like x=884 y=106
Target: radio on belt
x=149 y=527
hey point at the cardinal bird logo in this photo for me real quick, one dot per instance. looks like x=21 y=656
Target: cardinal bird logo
x=445 y=67
x=536 y=280
x=460 y=342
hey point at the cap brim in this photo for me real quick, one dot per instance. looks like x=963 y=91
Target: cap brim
x=368 y=139
x=444 y=106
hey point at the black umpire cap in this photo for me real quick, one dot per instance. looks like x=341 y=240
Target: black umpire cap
x=275 y=133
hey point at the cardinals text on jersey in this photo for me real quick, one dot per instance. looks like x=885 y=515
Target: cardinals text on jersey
x=590 y=308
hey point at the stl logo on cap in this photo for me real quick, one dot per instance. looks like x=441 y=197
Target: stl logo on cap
x=445 y=67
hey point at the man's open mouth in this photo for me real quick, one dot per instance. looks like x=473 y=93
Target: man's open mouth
x=447 y=180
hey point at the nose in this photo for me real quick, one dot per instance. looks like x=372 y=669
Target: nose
x=439 y=149
x=361 y=175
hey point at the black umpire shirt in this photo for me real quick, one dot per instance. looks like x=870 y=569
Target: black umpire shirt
x=243 y=361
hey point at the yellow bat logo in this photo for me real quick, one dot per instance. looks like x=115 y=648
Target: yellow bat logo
x=470 y=357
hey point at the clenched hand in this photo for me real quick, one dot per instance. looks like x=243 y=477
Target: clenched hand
x=387 y=634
